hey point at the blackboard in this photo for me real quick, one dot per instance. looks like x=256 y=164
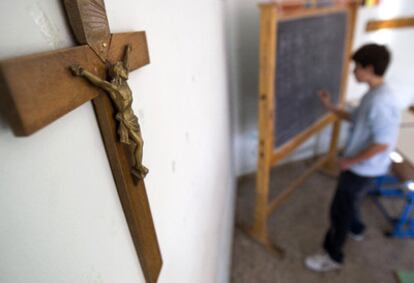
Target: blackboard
x=309 y=57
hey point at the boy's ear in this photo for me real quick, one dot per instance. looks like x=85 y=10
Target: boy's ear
x=370 y=68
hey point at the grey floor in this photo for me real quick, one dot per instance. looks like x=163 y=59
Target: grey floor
x=299 y=226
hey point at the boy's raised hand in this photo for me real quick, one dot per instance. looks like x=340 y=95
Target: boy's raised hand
x=325 y=98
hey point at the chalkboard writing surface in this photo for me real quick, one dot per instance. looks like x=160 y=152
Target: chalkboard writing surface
x=309 y=57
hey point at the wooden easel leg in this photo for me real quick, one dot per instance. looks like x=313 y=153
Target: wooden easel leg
x=258 y=233
x=266 y=95
x=259 y=230
x=270 y=247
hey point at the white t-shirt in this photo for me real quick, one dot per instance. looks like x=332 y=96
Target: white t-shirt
x=375 y=121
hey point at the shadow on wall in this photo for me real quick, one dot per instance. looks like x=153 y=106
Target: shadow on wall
x=3 y=121
x=248 y=71
x=243 y=50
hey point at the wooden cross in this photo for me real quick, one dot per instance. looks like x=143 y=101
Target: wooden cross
x=36 y=90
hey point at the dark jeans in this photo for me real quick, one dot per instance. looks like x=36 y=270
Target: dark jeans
x=344 y=213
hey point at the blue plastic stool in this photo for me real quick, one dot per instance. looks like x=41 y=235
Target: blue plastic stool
x=391 y=187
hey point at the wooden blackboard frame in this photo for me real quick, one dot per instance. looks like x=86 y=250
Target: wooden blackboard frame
x=268 y=155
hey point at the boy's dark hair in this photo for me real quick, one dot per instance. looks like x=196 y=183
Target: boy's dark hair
x=375 y=55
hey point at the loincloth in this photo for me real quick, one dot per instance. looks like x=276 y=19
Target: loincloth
x=127 y=124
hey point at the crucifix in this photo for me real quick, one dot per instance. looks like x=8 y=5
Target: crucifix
x=38 y=89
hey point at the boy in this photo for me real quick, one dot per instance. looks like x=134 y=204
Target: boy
x=373 y=135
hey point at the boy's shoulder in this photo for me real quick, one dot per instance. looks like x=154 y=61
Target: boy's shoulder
x=384 y=102
x=384 y=94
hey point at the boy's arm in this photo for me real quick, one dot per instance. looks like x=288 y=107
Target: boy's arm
x=342 y=114
x=326 y=101
x=383 y=126
x=81 y=72
x=370 y=151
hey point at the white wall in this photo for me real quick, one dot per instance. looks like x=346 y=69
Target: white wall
x=60 y=216
x=243 y=53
